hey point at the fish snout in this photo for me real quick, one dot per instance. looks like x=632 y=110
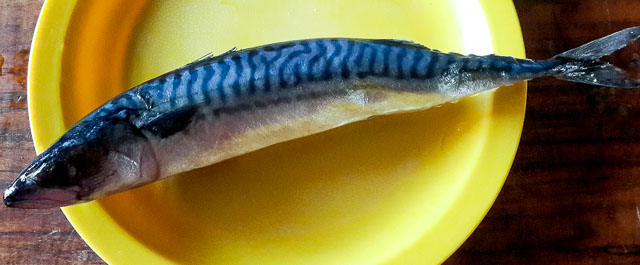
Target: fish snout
x=24 y=193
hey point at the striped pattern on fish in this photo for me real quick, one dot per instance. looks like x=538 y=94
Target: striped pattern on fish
x=254 y=78
x=223 y=106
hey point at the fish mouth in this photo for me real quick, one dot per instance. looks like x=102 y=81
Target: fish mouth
x=35 y=204
x=28 y=195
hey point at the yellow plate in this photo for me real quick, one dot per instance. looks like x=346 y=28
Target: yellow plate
x=403 y=189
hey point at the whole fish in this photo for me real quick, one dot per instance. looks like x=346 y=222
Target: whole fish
x=223 y=106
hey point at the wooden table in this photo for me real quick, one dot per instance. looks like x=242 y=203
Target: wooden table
x=572 y=197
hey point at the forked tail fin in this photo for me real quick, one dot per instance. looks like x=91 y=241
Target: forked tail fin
x=584 y=65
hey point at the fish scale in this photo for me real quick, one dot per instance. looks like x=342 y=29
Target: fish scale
x=243 y=100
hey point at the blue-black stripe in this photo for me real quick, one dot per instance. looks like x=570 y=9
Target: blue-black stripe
x=359 y=59
x=416 y=61
x=372 y=62
x=205 y=89
x=252 y=71
x=386 y=60
x=224 y=70
x=345 y=61
x=327 y=70
x=444 y=64
x=177 y=79
x=267 y=71
x=465 y=62
x=193 y=76
x=235 y=86
x=298 y=74
x=431 y=66
x=399 y=59
x=314 y=60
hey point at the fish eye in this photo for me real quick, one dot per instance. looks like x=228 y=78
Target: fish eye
x=71 y=170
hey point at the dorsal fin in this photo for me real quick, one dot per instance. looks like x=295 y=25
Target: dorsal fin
x=200 y=61
x=210 y=56
x=401 y=42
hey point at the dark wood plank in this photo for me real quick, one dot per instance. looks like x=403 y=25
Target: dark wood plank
x=26 y=237
x=572 y=197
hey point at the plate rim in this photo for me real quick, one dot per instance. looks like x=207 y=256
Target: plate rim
x=44 y=74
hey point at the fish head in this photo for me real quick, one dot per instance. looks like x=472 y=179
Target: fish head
x=87 y=163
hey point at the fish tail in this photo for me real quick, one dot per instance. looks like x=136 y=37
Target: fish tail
x=584 y=64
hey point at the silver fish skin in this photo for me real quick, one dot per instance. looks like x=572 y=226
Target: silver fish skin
x=223 y=106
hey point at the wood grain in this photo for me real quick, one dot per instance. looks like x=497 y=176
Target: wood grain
x=26 y=237
x=572 y=196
